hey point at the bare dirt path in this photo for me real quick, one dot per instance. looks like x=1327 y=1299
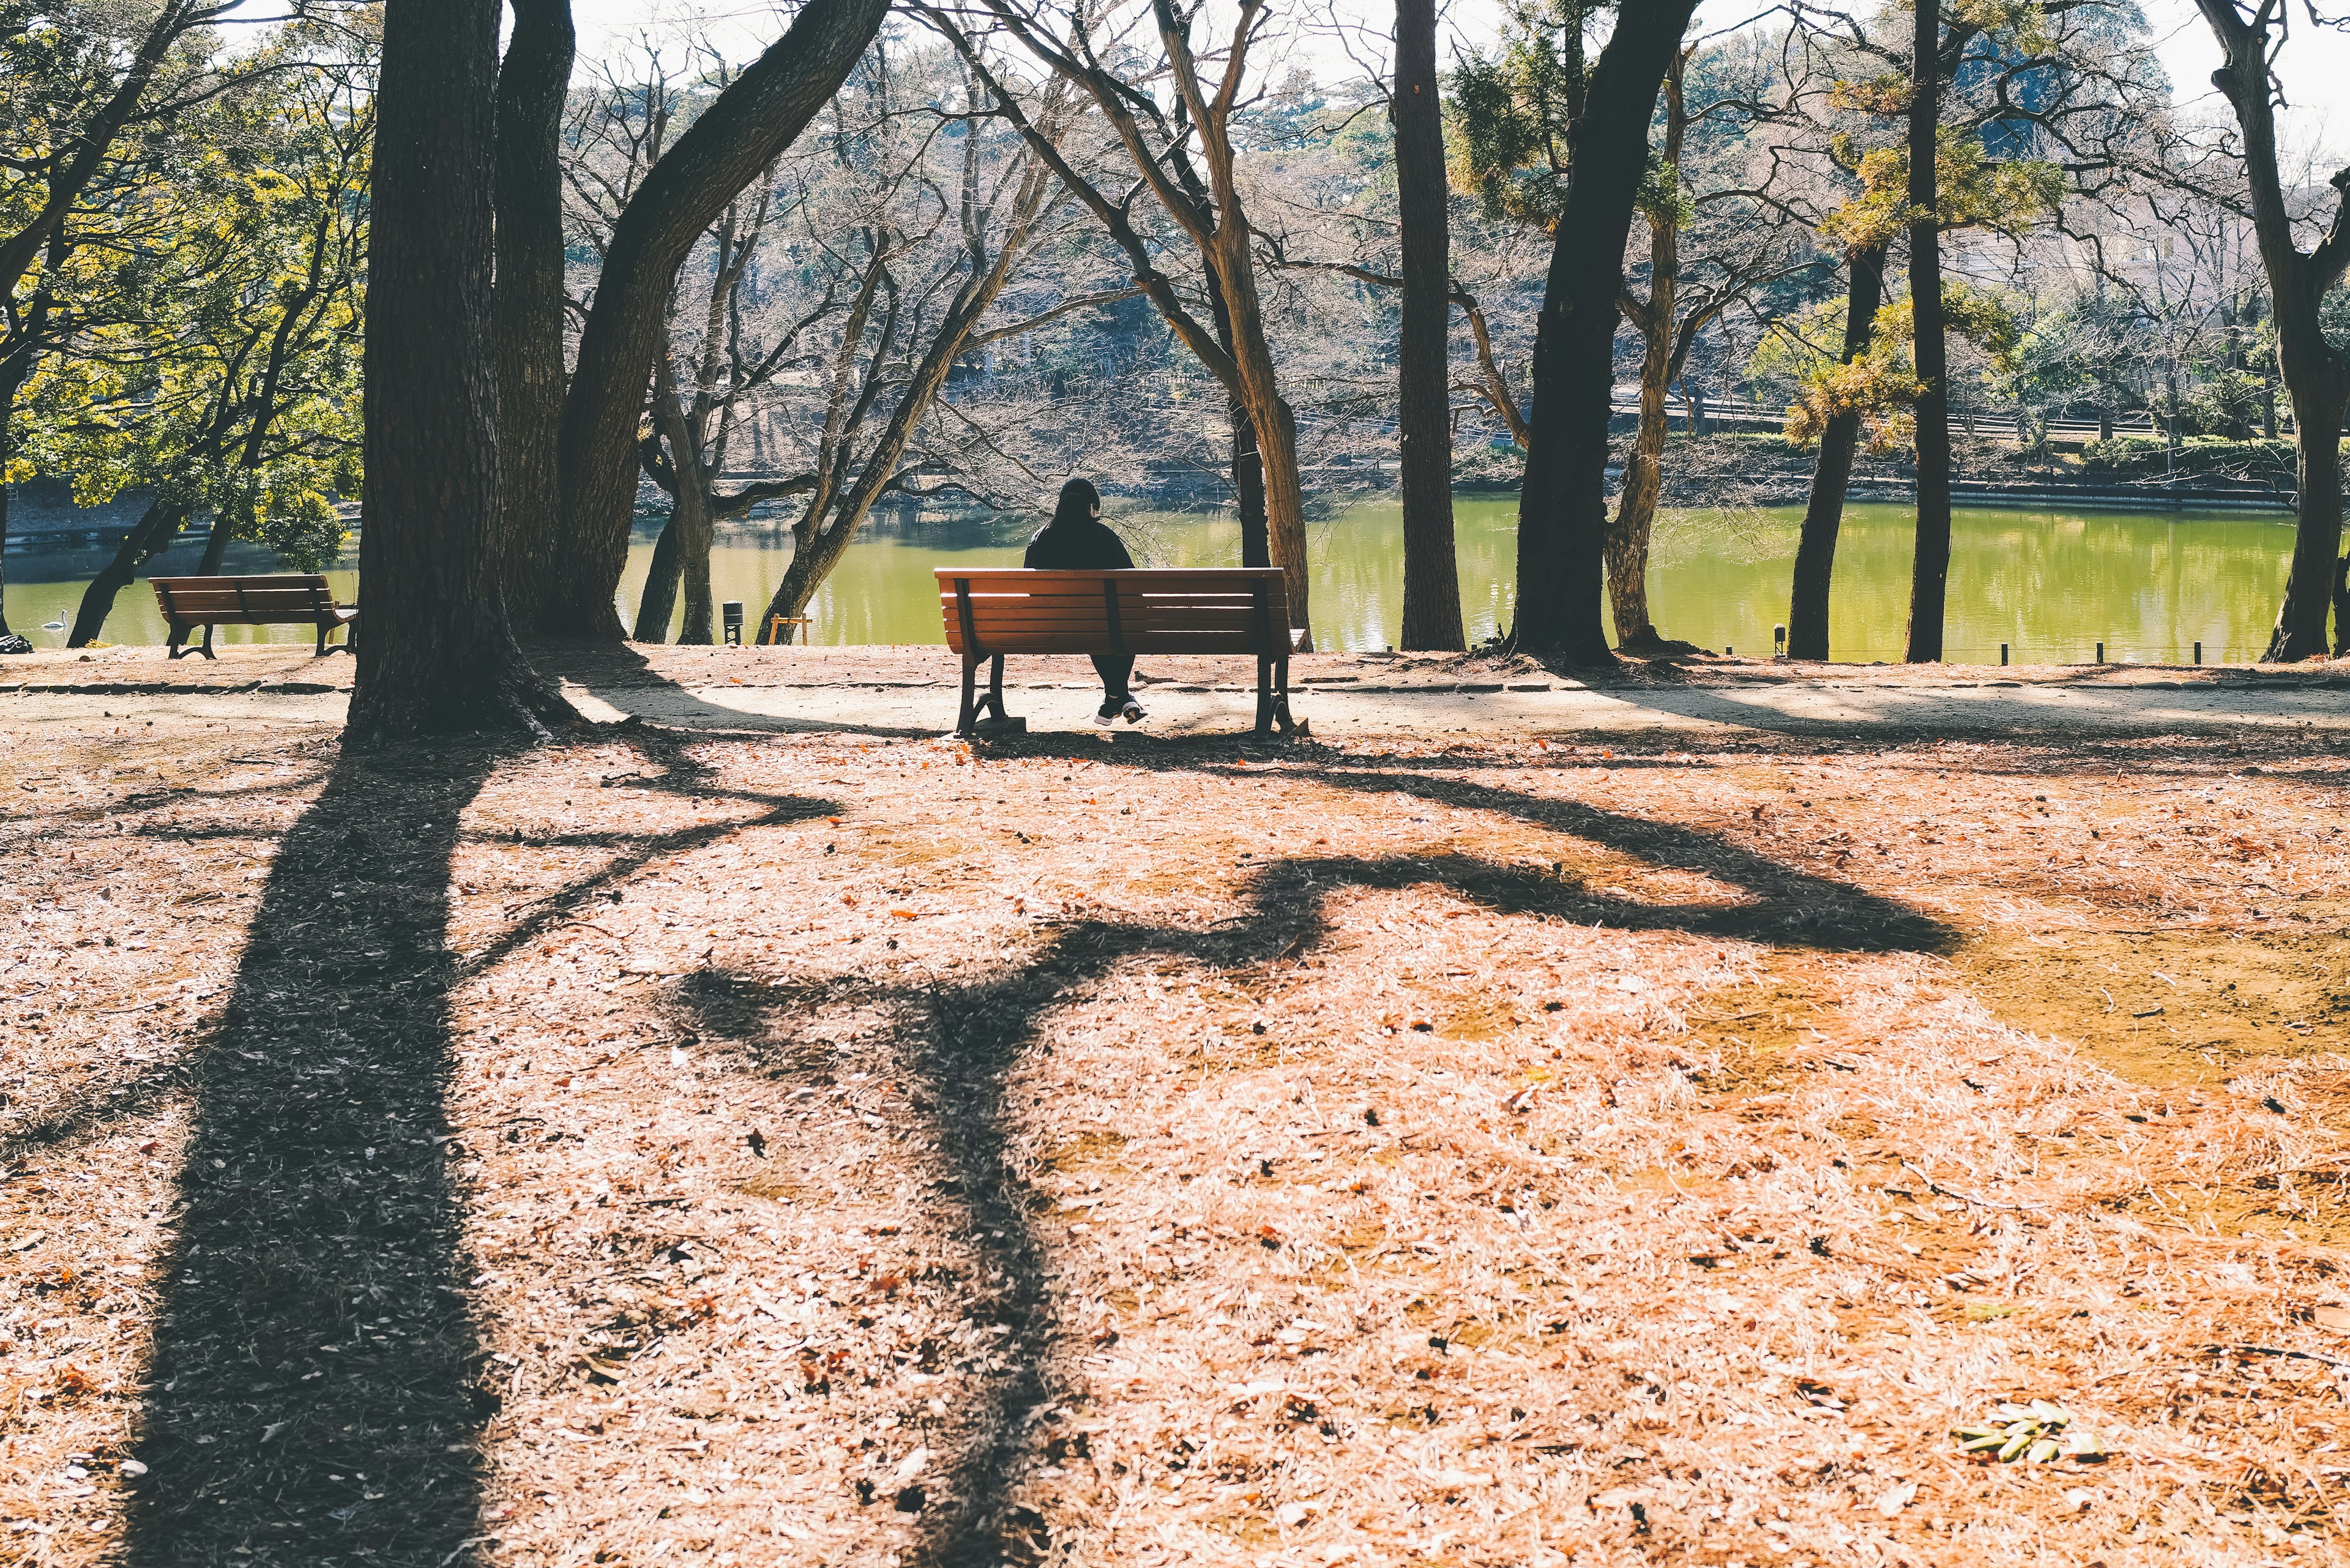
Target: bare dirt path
x=1439 y=1142
x=911 y=692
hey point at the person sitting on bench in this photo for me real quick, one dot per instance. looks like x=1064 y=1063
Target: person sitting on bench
x=1077 y=540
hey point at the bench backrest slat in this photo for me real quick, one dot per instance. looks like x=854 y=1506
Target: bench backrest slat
x=1188 y=609
x=277 y=597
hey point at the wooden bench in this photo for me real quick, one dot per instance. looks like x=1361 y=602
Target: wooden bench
x=1235 y=610
x=283 y=599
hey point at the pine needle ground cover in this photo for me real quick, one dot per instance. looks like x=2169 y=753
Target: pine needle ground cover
x=743 y=1148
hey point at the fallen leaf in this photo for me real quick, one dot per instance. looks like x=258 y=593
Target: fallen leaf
x=1894 y=1499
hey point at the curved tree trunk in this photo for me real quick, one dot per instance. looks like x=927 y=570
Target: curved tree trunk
x=1563 y=504
x=1930 y=569
x=1432 y=570
x=657 y=605
x=1807 y=610
x=437 y=654
x=149 y=537
x=527 y=302
x=745 y=129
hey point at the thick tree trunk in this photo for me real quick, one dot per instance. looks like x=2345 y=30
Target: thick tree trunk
x=1929 y=570
x=745 y=129
x=1431 y=571
x=1563 y=504
x=436 y=653
x=1807 y=611
x=527 y=303
x=2310 y=585
x=215 y=551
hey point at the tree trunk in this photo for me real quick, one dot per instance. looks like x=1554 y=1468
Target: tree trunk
x=2318 y=404
x=1268 y=413
x=1629 y=531
x=527 y=303
x=1431 y=571
x=1563 y=504
x=1807 y=612
x=1248 y=463
x=437 y=653
x=151 y=535
x=657 y=606
x=1930 y=569
x=745 y=129
x=1248 y=488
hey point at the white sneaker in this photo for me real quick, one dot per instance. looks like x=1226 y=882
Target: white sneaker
x=1107 y=720
x=1132 y=713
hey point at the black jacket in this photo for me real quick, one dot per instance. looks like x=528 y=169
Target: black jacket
x=1086 y=546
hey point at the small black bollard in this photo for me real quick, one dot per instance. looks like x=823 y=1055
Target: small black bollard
x=1778 y=642
x=2003 y=653
x=2101 y=654
x=2199 y=653
x=732 y=613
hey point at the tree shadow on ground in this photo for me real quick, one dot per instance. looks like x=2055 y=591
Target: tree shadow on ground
x=316 y=1387
x=961 y=1043
x=311 y=1389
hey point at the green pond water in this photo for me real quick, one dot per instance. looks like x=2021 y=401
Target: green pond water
x=2050 y=585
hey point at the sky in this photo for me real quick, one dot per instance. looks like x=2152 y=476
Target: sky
x=2315 y=67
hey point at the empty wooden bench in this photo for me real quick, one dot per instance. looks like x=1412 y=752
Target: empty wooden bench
x=1242 y=611
x=281 y=599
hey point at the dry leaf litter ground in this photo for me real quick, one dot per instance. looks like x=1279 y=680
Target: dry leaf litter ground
x=742 y=1149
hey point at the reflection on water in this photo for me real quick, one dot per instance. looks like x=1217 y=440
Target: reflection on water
x=2051 y=585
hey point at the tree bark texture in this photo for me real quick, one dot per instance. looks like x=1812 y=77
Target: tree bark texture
x=1929 y=570
x=1432 y=570
x=1807 y=610
x=437 y=654
x=745 y=129
x=2316 y=376
x=1563 y=503
x=527 y=303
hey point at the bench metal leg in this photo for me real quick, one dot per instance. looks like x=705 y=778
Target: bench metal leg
x=967 y=716
x=994 y=697
x=204 y=648
x=171 y=648
x=1273 y=696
